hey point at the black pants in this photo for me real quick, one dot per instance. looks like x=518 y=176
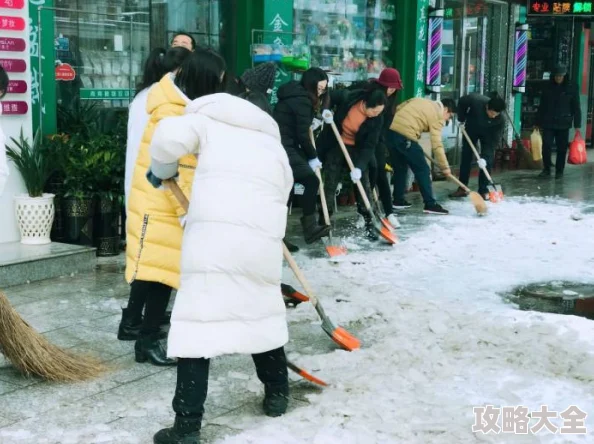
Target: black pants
x=335 y=170
x=303 y=174
x=487 y=153
x=192 y=380
x=405 y=153
x=561 y=139
x=154 y=297
x=379 y=179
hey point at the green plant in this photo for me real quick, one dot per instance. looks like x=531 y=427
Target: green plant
x=82 y=119
x=109 y=164
x=32 y=161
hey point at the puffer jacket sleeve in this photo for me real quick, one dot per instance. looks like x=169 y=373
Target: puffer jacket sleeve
x=435 y=128
x=174 y=138
x=303 y=119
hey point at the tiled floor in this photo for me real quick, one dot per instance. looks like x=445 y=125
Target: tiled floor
x=132 y=401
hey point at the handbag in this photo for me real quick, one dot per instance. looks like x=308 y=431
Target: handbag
x=577 y=150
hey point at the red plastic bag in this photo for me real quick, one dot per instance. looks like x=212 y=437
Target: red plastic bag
x=577 y=150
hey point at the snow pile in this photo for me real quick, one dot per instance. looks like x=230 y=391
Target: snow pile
x=438 y=338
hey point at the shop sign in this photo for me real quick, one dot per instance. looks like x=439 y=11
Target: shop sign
x=12 y=4
x=562 y=8
x=105 y=94
x=14 y=107
x=17 y=87
x=477 y=10
x=65 y=72
x=11 y=44
x=13 y=65
x=12 y=23
x=278 y=18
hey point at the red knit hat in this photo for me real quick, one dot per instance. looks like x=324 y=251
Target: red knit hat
x=390 y=78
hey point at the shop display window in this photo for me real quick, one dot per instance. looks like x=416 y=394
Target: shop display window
x=348 y=38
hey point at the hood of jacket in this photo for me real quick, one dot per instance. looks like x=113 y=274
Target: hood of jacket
x=292 y=89
x=234 y=111
x=165 y=93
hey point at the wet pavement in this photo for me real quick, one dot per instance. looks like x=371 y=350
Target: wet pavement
x=132 y=401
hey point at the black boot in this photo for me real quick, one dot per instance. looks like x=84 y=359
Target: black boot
x=291 y=247
x=276 y=400
x=545 y=173
x=311 y=230
x=184 y=431
x=129 y=329
x=370 y=230
x=150 y=349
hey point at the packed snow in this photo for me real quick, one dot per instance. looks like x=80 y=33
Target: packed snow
x=438 y=337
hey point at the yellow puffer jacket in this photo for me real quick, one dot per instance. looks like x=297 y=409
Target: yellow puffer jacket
x=417 y=116
x=153 y=228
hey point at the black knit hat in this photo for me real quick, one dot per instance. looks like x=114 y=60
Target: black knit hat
x=261 y=78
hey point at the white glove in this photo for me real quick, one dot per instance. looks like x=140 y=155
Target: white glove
x=328 y=116
x=315 y=124
x=482 y=164
x=314 y=164
x=462 y=125
x=182 y=221
x=356 y=175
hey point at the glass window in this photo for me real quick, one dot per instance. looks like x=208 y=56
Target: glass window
x=349 y=38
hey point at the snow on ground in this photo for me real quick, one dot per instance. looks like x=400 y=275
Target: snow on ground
x=437 y=336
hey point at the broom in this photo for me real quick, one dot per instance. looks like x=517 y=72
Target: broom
x=34 y=355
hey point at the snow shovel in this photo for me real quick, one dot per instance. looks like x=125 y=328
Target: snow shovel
x=181 y=197
x=495 y=190
x=479 y=203
x=338 y=334
x=332 y=249
x=383 y=231
x=292 y=297
x=305 y=375
x=384 y=220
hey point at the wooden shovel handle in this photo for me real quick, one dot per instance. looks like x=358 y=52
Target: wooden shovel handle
x=476 y=153
x=451 y=176
x=178 y=193
x=319 y=176
x=300 y=276
x=351 y=166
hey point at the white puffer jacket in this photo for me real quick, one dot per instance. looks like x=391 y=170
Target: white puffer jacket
x=229 y=300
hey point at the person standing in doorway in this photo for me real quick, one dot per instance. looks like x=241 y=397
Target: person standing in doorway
x=559 y=109
x=481 y=118
x=413 y=118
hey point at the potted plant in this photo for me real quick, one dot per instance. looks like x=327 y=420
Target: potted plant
x=108 y=185
x=34 y=210
x=77 y=164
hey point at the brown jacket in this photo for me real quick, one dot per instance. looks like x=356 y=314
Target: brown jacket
x=417 y=116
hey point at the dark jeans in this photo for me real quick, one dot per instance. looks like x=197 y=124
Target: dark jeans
x=192 y=380
x=155 y=298
x=406 y=153
x=303 y=174
x=378 y=178
x=561 y=139
x=335 y=169
x=487 y=153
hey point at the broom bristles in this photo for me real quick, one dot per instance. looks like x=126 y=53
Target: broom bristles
x=33 y=355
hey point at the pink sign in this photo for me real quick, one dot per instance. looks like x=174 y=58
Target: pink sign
x=10 y=107
x=12 y=44
x=12 y=4
x=17 y=87
x=12 y=23
x=65 y=72
x=13 y=65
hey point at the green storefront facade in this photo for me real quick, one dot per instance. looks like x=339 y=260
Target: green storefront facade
x=105 y=42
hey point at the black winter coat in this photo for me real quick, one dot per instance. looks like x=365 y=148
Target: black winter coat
x=559 y=106
x=294 y=114
x=368 y=136
x=472 y=110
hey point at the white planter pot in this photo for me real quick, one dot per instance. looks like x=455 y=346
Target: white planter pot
x=35 y=216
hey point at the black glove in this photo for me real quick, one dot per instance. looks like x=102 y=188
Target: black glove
x=154 y=180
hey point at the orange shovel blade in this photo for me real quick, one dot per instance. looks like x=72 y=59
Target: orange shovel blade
x=388 y=235
x=345 y=339
x=386 y=223
x=306 y=375
x=494 y=196
x=334 y=250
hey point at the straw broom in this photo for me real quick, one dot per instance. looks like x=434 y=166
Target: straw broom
x=34 y=355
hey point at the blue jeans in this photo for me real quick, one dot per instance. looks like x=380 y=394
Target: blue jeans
x=405 y=153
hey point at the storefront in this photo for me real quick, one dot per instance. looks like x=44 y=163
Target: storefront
x=559 y=35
